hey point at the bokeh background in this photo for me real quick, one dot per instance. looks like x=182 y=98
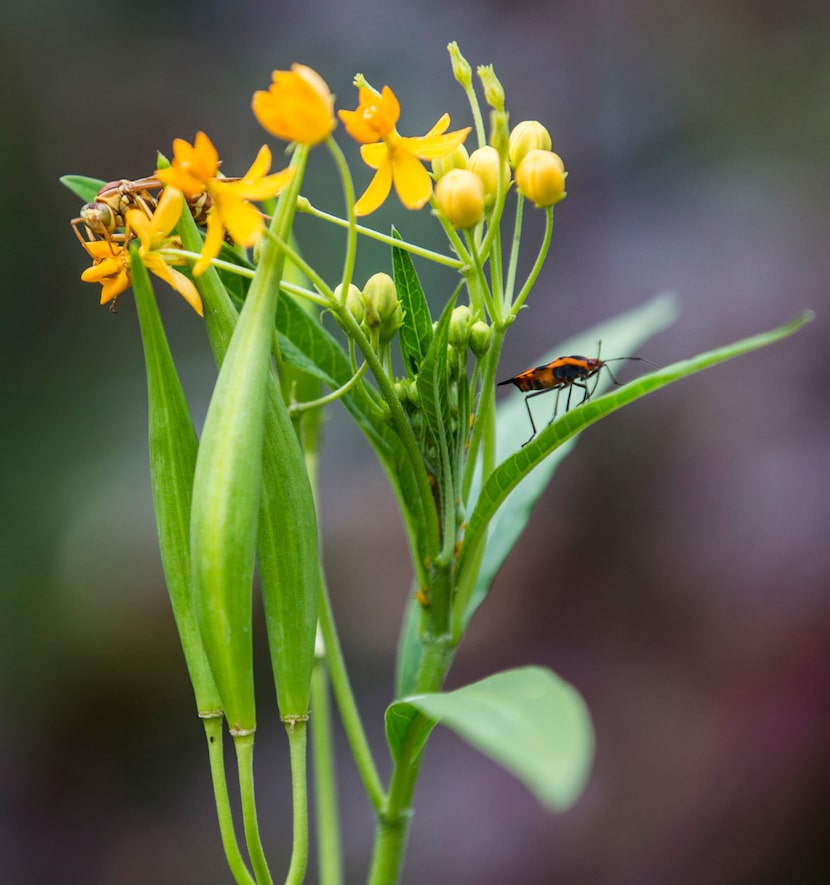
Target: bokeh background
x=676 y=571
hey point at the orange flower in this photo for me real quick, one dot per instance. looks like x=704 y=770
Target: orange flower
x=396 y=159
x=110 y=268
x=194 y=170
x=297 y=107
x=111 y=261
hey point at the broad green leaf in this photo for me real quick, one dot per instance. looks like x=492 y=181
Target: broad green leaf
x=416 y=332
x=519 y=465
x=84 y=188
x=173 y=446
x=528 y=720
x=620 y=336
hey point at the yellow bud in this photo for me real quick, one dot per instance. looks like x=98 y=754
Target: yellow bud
x=541 y=178
x=380 y=300
x=459 y=196
x=456 y=160
x=527 y=136
x=485 y=163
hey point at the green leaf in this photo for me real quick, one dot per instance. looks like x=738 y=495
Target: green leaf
x=621 y=336
x=528 y=720
x=416 y=332
x=84 y=188
x=173 y=446
x=519 y=465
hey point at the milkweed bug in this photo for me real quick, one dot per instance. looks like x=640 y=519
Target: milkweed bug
x=564 y=371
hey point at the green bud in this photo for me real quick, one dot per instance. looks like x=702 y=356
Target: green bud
x=389 y=327
x=460 y=324
x=500 y=132
x=461 y=69
x=354 y=302
x=380 y=300
x=493 y=90
x=456 y=160
x=480 y=334
x=527 y=136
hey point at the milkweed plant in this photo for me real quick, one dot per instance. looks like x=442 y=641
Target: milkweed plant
x=417 y=374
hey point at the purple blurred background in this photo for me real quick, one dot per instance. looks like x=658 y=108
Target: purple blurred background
x=677 y=571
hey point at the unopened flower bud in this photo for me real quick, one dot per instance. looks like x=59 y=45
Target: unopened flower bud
x=480 y=334
x=380 y=299
x=500 y=132
x=389 y=327
x=460 y=323
x=541 y=178
x=461 y=69
x=527 y=136
x=456 y=160
x=485 y=163
x=459 y=196
x=338 y=293
x=354 y=302
x=493 y=90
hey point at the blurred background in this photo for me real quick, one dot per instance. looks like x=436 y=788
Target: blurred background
x=677 y=570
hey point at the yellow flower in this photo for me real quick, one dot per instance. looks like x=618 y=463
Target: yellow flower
x=111 y=261
x=298 y=106
x=110 y=268
x=194 y=170
x=396 y=159
x=154 y=234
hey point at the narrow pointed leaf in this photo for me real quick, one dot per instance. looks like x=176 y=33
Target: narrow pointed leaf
x=173 y=445
x=227 y=486
x=621 y=336
x=519 y=465
x=528 y=720
x=84 y=188
x=416 y=332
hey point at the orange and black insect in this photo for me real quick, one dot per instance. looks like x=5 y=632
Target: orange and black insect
x=564 y=371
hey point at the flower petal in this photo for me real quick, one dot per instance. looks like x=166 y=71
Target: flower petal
x=412 y=182
x=212 y=244
x=377 y=191
x=261 y=164
x=263 y=188
x=242 y=221
x=430 y=147
x=374 y=154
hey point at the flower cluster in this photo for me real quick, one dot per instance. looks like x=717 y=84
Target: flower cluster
x=464 y=189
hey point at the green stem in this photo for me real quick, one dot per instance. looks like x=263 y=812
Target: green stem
x=394 y=820
x=447 y=260
x=213 y=732
x=329 y=853
x=244 y=745
x=297 y=730
x=349 y=714
x=537 y=265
